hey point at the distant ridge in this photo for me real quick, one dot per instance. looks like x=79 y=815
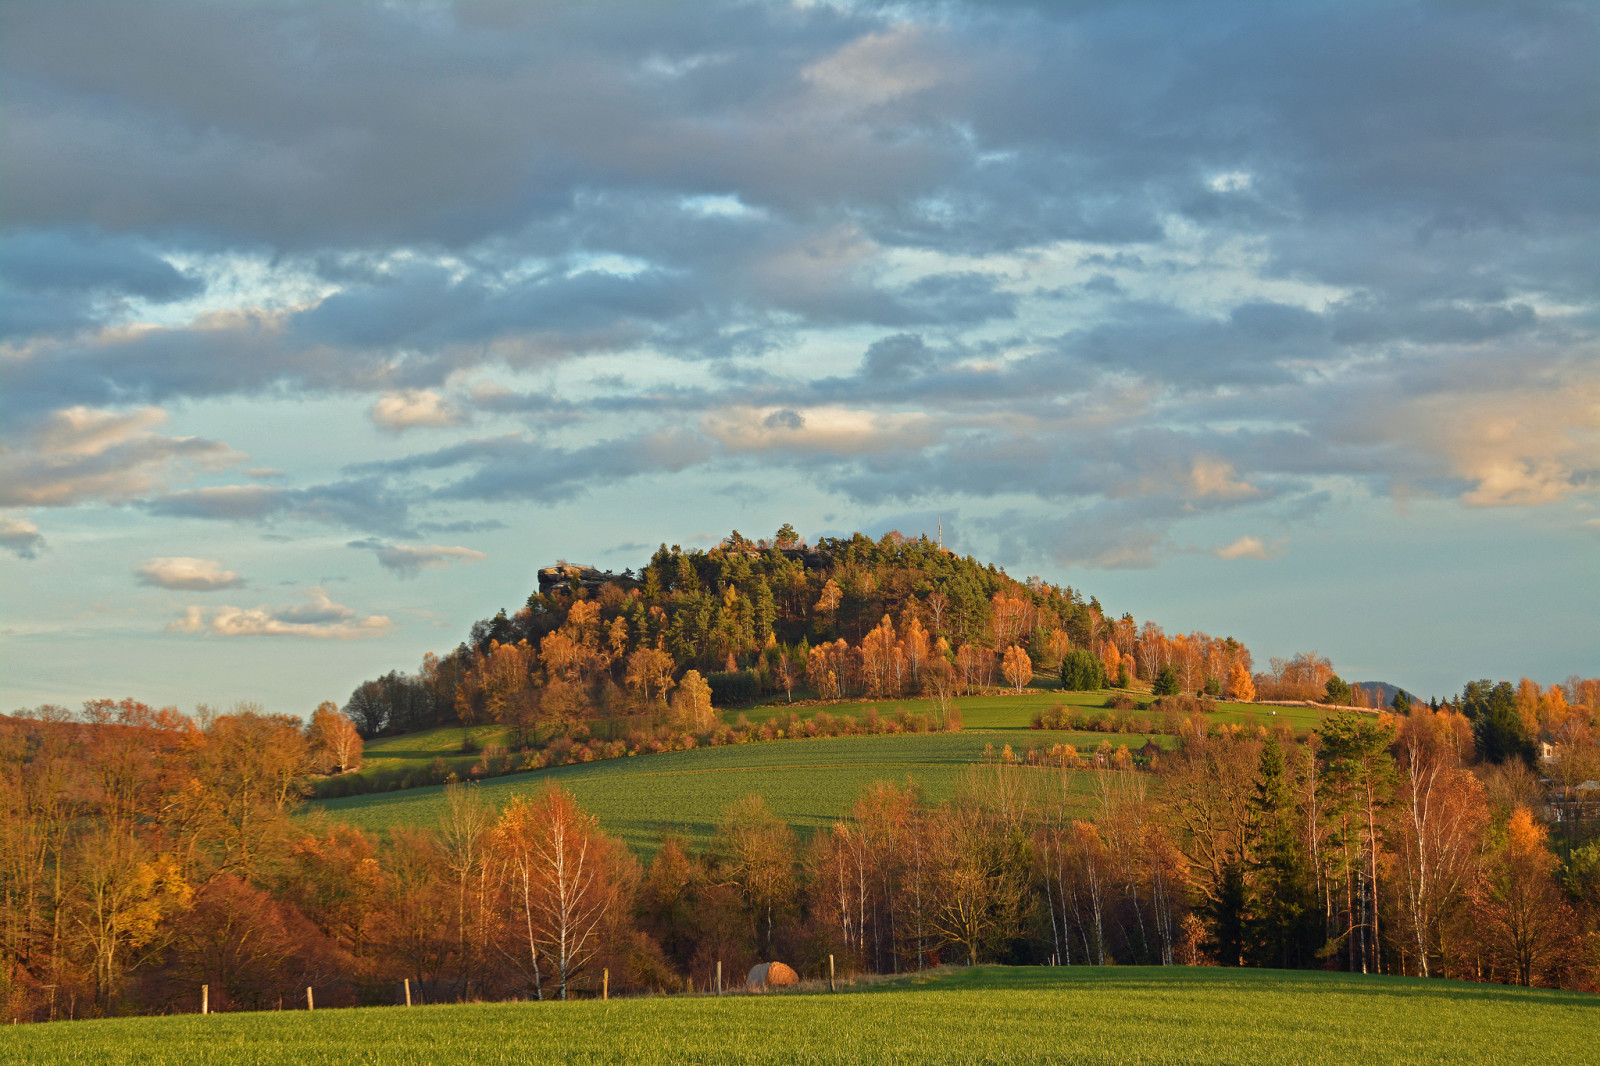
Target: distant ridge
x=1387 y=689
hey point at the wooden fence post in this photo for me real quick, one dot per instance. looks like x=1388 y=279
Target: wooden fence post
x=605 y=984
x=408 y=991
x=205 y=999
x=310 y=1004
x=831 y=988
x=719 y=977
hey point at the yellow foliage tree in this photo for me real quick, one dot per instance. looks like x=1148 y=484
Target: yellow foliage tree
x=1017 y=667
x=1240 y=686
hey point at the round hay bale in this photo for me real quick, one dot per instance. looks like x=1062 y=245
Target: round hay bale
x=765 y=975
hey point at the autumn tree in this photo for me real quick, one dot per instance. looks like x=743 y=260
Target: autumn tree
x=1522 y=920
x=755 y=852
x=569 y=883
x=335 y=741
x=649 y=673
x=1017 y=667
x=1441 y=820
x=691 y=703
x=1240 y=685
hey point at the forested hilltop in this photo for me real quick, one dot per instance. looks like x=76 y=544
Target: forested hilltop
x=840 y=619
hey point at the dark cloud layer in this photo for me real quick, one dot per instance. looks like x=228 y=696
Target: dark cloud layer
x=1138 y=263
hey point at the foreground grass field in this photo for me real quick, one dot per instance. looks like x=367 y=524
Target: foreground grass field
x=808 y=783
x=1124 y=1015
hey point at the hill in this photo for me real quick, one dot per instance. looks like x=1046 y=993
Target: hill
x=749 y=621
x=1126 y=1015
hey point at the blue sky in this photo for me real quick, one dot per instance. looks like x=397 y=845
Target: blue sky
x=322 y=327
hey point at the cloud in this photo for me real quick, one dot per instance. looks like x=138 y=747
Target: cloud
x=413 y=409
x=831 y=429
x=408 y=560
x=80 y=454
x=365 y=503
x=320 y=619
x=1211 y=478
x=869 y=245
x=515 y=467
x=184 y=572
x=20 y=536
x=1248 y=547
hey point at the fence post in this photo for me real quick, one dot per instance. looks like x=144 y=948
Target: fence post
x=719 y=977
x=605 y=984
x=408 y=991
x=830 y=975
x=205 y=999
x=310 y=1004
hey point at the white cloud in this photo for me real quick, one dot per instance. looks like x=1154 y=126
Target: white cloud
x=408 y=560
x=184 y=572
x=831 y=429
x=414 y=409
x=320 y=619
x=1248 y=547
x=20 y=536
x=81 y=453
x=1214 y=479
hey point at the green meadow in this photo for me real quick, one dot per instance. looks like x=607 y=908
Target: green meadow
x=1126 y=1016
x=808 y=783
x=395 y=756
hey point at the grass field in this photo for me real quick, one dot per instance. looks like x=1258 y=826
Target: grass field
x=808 y=783
x=1125 y=1016
x=395 y=756
x=1006 y=711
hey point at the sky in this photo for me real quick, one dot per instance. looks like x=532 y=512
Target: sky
x=324 y=326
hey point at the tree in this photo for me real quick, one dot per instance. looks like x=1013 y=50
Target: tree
x=1082 y=671
x=1496 y=725
x=569 y=882
x=124 y=894
x=1442 y=817
x=691 y=703
x=1521 y=918
x=1282 y=926
x=755 y=851
x=1358 y=775
x=1166 y=682
x=335 y=741
x=649 y=673
x=1240 y=685
x=1337 y=691
x=978 y=886
x=1017 y=667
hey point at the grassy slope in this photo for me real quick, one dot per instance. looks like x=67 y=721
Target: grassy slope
x=417 y=750
x=808 y=783
x=1126 y=1015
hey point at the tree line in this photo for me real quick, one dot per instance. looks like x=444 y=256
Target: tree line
x=146 y=853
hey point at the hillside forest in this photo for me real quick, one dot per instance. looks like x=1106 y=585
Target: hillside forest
x=843 y=620
x=145 y=853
